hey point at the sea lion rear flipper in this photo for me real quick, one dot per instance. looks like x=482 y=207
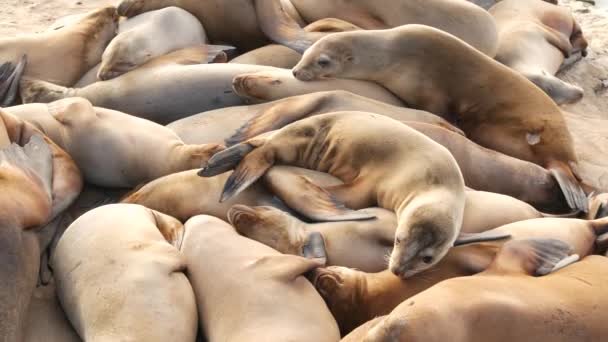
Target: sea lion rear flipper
x=9 y=83
x=534 y=257
x=573 y=192
x=487 y=236
x=280 y=27
x=288 y=267
x=253 y=166
x=309 y=199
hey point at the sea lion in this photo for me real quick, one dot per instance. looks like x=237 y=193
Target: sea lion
x=526 y=181
x=220 y=125
x=534 y=38
x=25 y=203
x=257 y=294
x=147 y=36
x=81 y=129
x=275 y=55
x=172 y=92
x=363 y=245
x=423 y=184
x=354 y=297
x=561 y=306
x=278 y=19
x=120 y=276
x=79 y=48
x=502 y=110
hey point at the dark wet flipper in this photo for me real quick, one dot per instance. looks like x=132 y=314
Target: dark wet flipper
x=488 y=236
x=310 y=200
x=314 y=247
x=6 y=70
x=534 y=257
x=250 y=169
x=10 y=94
x=602 y=211
x=225 y=160
x=572 y=190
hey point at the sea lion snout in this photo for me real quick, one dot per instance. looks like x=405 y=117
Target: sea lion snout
x=302 y=75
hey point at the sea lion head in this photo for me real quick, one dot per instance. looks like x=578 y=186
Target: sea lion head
x=422 y=239
x=124 y=53
x=269 y=226
x=100 y=27
x=330 y=57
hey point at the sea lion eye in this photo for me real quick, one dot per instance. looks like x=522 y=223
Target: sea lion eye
x=427 y=259
x=323 y=62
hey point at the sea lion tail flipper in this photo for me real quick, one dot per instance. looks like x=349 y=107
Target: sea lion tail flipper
x=280 y=27
x=534 y=257
x=35 y=159
x=281 y=114
x=253 y=166
x=309 y=199
x=487 y=236
x=9 y=81
x=288 y=267
x=314 y=248
x=37 y=91
x=571 y=188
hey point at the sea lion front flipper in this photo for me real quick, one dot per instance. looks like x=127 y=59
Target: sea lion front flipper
x=286 y=266
x=10 y=84
x=487 y=236
x=534 y=257
x=225 y=160
x=570 y=186
x=253 y=166
x=34 y=158
x=602 y=211
x=314 y=248
x=281 y=28
x=310 y=200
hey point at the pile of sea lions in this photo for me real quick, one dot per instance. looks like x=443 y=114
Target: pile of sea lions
x=298 y=170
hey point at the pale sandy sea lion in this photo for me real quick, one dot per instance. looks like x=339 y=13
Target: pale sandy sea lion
x=135 y=150
x=77 y=47
x=249 y=292
x=506 y=302
x=428 y=197
x=356 y=297
x=120 y=276
x=153 y=34
x=534 y=38
x=501 y=110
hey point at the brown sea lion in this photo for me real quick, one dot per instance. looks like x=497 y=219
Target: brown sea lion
x=120 y=276
x=220 y=125
x=78 y=48
x=25 y=204
x=135 y=150
x=354 y=297
x=421 y=181
x=501 y=110
x=534 y=38
x=147 y=36
x=256 y=293
x=506 y=302
x=527 y=181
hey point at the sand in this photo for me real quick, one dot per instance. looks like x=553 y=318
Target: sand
x=587 y=120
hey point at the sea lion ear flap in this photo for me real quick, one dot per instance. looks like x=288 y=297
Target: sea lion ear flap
x=309 y=199
x=488 y=236
x=534 y=257
x=288 y=267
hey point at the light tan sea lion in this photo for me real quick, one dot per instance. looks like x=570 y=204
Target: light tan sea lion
x=172 y=92
x=466 y=21
x=134 y=150
x=501 y=110
x=120 y=276
x=78 y=48
x=25 y=204
x=526 y=181
x=356 y=297
x=249 y=292
x=46 y=320
x=534 y=38
x=506 y=302
x=220 y=125
x=150 y=35
x=422 y=184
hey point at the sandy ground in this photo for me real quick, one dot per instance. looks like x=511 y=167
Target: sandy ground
x=588 y=119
